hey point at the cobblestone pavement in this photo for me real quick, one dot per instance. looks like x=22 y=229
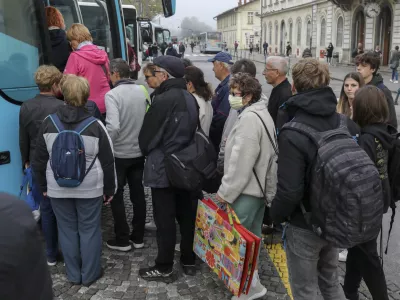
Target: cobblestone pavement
x=121 y=280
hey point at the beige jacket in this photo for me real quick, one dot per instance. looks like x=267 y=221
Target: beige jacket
x=248 y=147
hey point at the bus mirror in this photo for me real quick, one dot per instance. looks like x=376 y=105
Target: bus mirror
x=169 y=7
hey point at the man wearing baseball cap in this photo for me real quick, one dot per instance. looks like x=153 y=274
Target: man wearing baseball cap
x=169 y=126
x=222 y=62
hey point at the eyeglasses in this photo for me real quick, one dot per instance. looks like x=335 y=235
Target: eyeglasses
x=148 y=77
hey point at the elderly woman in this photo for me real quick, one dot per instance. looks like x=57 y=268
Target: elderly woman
x=90 y=62
x=250 y=168
x=60 y=47
x=77 y=209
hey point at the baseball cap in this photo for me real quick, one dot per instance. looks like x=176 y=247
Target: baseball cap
x=222 y=57
x=171 y=64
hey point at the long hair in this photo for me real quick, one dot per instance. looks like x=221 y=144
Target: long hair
x=343 y=106
x=196 y=77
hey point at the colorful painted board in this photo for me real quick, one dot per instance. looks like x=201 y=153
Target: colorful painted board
x=226 y=248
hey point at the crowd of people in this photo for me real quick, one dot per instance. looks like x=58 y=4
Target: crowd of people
x=92 y=130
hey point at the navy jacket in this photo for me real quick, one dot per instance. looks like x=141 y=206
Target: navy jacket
x=60 y=48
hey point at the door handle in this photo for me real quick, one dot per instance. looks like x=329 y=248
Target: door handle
x=5 y=157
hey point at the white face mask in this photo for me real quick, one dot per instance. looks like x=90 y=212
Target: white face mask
x=236 y=102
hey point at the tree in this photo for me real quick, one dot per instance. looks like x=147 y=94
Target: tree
x=192 y=25
x=146 y=8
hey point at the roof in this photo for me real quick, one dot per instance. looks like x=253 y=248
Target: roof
x=235 y=8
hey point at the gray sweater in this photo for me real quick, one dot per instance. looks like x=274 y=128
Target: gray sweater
x=126 y=107
x=248 y=147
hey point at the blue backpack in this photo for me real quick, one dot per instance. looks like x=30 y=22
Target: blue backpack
x=68 y=155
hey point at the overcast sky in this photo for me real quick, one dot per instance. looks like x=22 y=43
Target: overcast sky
x=204 y=10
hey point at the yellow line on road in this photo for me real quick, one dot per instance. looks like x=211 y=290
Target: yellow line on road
x=278 y=257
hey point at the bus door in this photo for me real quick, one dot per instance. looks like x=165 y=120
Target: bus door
x=132 y=30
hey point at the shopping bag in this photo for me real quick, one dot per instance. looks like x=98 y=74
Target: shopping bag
x=31 y=190
x=226 y=246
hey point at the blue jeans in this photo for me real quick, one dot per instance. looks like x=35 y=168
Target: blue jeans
x=49 y=225
x=79 y=229
x=395 y=74
x=312 y=263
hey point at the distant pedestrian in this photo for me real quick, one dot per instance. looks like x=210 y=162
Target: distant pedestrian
x=23 y=269
x=236 y=45
x=182 y=50
x=329 y=53
x=359 y=50
x=222 y=63
x=77 y=209
x=378 y=51
x=157 y=137
x=368 y=66
x=288 y=49
x=154 y=51
x=251 y=46
x=394 y=64
x=192 y=45
x=351 y=83
x=265 y=47
x=275 y=73
x=171 y=51
x=126 y=107
x=371 y=112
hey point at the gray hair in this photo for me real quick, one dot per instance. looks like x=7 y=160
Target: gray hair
x=279 y=63
x=226 y=65
x=169 y=75
x=120 y=66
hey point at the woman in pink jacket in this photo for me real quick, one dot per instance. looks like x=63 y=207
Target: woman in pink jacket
x=90 y=62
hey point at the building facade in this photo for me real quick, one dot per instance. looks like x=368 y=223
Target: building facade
x=316 y=23
x=241 y=24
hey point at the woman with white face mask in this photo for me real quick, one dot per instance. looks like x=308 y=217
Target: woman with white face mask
x=250 y=163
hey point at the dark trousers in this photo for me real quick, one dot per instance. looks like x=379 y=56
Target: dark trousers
x=363 y=262
x=265 y=52
x=170 y=204
x=129 y=170
x=79 y=230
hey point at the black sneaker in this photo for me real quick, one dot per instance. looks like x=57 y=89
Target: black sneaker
x=154 y=273
x=113 y=244
x=189 y=270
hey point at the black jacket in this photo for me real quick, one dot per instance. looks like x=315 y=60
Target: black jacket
x=377 y=141
x=97 y=141
x=168 y=126
x=279 y=95
x=172 y=52
x=23 y=268
x=329 y=51
x=377 y=81
x=60 y=48
x=317 y=109
x=31 y=116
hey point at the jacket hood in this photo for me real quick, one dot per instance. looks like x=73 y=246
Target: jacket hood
x=318 y=102
x=57 y=37
x=178 y=83
x=72 y=114
x=124 y=81
x=383 y=132
x=93 y=54
x=376 y=79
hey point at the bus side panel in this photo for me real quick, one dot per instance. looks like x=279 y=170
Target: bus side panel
x=121 y=30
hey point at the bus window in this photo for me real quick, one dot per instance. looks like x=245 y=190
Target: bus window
x=159 y=36
x=167 y=36
x=94 y=19
x=20 y=50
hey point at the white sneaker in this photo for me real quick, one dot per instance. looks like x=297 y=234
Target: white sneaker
x=150 y=226
x=396 y=81
x=138 y=246
x=255 y=292
x=343 y=255
x=178 y=247
x=391 y=80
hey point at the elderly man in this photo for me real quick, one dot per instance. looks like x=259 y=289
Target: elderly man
x=275 y=73
x=220 y=102
x=168 y=126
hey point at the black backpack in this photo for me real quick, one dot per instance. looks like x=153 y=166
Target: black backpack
x=345 y=190
x=195 y=164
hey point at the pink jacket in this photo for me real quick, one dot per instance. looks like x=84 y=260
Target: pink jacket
x=87 y=62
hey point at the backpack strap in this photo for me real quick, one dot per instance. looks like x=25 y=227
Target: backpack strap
x=57 y=122
x=84 y=124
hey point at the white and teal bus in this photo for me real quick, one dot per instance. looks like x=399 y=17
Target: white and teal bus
x=211 y=42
